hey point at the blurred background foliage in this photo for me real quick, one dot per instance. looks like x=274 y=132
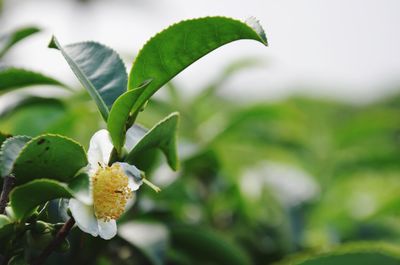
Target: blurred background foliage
x=258 y=182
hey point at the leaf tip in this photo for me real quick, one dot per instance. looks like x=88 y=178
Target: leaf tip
x=53 y=44
x=254 y=23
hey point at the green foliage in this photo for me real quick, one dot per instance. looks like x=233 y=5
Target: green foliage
x=205 y=246
x=174 y=49
x=49 y=156
x=355 y=254
x=162 y=136
x=3 y=137
x=10 y=39
x=25 y=198
x=12 y=78
x=9 y=152
x=4 y=220
x=119 y=115
x=99 y=69
x=5 y=232
x=257 y=181
x=33 y=116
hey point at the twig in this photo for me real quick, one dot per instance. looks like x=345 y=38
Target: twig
x=58 y=239
x=8 y=184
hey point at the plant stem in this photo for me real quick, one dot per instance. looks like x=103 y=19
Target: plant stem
x=8 y=184
x=58 y=239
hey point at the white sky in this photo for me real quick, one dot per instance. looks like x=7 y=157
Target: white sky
x=337 y=48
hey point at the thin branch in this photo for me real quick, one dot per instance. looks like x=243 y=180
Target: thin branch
x=8 y=184
x=58 y=239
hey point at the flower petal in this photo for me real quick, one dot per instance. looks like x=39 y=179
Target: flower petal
x=134 y=175
x=84 y=217
x=107 y=230
x=100 y=148
x=130 y=202
x=133 y=136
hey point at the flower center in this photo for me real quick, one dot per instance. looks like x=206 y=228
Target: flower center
x=110 y=192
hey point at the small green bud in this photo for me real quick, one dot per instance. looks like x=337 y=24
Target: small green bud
x=41 y=227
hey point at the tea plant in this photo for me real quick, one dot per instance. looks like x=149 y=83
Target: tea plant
x=99 y=184
x=206 y=214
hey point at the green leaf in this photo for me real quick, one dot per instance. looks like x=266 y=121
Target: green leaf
x=150 y=238
x=3 y=137
x=6 y=232
x=215 y=249
x=21 y=102
x=49 y=156
x=12 y=78
x=4 y=220
x=99 y=69
x=119 y=115
x=174 y=49
x=9 y=152
x=35 y=116
x=354 y=254
x=161 y=136
x=25 y=198
x=10 y=39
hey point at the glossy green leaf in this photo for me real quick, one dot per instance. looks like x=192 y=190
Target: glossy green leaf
x=49 y=156
x=354 y=254
x=150 y=238
x=9 y=152
x=12 y=78
x=99 y=69
x=174 y=49
x=25 y=198
x=161 y=136
x=206 y=246
x=119 y=115
x=10 y=39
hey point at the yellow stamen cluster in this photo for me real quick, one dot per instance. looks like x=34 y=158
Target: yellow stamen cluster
x=110 y=192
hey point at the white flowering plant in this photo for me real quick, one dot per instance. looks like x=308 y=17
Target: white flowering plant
x=96 y=187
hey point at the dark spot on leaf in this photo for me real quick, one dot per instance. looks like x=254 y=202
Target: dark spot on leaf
x=29 y=161
x=41 y=141
x=47 y=148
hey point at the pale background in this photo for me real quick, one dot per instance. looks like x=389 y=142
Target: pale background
x=334 y=48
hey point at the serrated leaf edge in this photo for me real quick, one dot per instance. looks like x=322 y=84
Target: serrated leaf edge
x=174 y=138
x=264 y=40
x=52 y=135
x=7 y=141
x=104 y=111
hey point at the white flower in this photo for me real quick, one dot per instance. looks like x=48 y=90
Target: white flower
x=111 y=187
